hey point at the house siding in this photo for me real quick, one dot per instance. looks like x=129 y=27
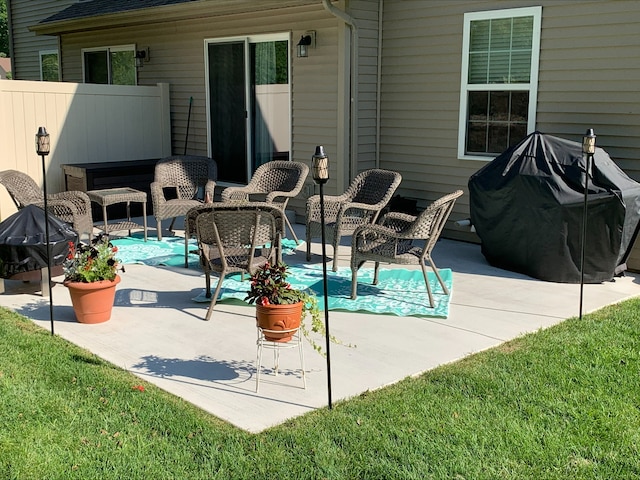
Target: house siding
x=366 y=15
x=588 y=78
x=25 y=44
x=177 y=53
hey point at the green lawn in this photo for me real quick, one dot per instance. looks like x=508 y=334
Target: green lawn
x=561 y=403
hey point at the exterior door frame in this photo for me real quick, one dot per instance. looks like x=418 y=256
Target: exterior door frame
x=247 y=40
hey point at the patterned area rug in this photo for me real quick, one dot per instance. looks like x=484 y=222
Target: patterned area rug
x=399 y=291
x=169 y=251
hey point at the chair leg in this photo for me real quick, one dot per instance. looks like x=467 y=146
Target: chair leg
x=376 y=270
x=186 y=250
x=214 y=299
x=354 y=282
x=435 y=270
x=173 y=220
x=426 y=281
x=308 y=245
x=207 y=282
x=159 y=228
x=336 y=242
x=286 y=220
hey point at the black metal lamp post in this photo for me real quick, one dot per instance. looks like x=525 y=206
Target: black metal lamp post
x=43 y=148
x=588 y=150
x=320 y=172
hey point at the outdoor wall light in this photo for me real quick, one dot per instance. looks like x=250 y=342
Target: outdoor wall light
x=320 y=165
x=141 y=57
x=307 y=41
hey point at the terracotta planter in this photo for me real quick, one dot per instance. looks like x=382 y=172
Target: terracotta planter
x=279 y=317
x=92 y=302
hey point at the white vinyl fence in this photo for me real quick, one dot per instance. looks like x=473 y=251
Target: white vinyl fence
x=86 y=123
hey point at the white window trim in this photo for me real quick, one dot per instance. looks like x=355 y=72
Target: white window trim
x=531 y=87
x=48 y=52
x=108 y=49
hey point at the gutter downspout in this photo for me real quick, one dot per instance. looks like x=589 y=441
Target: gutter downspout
x=353 y=62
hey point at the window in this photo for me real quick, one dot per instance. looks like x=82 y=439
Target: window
x=499 y=80
x=112 y=65
x=49 y=71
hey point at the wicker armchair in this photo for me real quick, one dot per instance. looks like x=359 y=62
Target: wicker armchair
x=394 y=240
x=359 y=205
x=274 y=182
x=73 y=207
x=181 y=183
x=236 y=238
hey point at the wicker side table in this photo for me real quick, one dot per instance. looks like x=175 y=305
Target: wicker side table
x=111 y=196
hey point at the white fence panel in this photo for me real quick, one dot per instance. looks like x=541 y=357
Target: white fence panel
x=86 y=123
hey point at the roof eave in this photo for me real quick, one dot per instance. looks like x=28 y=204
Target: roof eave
x=165 y=13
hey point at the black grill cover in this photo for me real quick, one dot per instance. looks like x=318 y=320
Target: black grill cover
x=23 y=246
x=527 y=208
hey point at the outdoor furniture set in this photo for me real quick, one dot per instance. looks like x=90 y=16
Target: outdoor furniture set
x=243 y=232
x=232 y=233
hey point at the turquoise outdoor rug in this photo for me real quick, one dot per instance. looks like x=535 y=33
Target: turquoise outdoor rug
x=399 y=291
x=169 y=251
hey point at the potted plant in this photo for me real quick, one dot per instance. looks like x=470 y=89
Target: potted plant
x=91 y=277
x=281 y=307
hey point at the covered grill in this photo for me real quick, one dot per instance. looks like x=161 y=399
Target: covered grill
x=23 y=246
x=527 y=207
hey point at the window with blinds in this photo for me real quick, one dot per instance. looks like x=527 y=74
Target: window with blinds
x=499 y=80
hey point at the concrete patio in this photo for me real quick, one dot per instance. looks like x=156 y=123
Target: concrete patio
x=158 y=333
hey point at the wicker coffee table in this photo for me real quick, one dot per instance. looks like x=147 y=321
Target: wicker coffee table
x=111 y=196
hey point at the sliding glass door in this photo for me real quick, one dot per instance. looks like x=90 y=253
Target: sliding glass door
x=249 y=103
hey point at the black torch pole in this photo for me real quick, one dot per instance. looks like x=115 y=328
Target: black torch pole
x=320 y=171
x=326 y=294
x=588 y=150
x=46 y=233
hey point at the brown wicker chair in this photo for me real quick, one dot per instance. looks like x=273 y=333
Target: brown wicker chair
x=359 y=205
x=274 y=182
x=73 y=207
x=236 y=238
x=394 y=239
x=181 y=183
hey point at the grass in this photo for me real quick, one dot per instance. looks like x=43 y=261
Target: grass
x=561 y=403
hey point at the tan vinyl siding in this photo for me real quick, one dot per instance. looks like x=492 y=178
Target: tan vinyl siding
x=26 y=45
x=177 y=57
x=365 y=13
x=589 y=76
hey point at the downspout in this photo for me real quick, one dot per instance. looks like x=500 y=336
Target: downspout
x=353 y=65
x=379 y=82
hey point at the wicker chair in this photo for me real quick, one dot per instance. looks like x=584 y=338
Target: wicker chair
x=359 y=205
x=189 y=180
x=236 y=238
x=394 y=239
x=73 y=207
x=274 y=182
